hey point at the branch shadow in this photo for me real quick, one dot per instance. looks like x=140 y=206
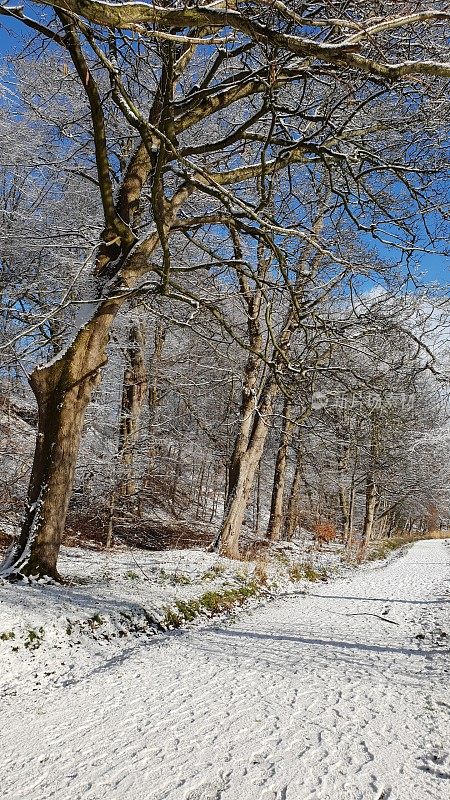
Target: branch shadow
x=439 y=601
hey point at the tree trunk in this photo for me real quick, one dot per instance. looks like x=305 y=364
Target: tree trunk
x=371 y=488
x=63 y=389
x=351 y=514
x=347 y=504
x=382 y=522
x=235 y=511
x=344 y=504
x=257 y=502
x=257 y=400
x=154 y=376
x=274 y=528
x=133 y=395
x=215 y=501
x=293 y=509
x=242 y=477
x=369 y=517
x=201 y=501
x=247 y=412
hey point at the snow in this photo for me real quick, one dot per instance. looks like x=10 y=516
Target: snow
x=138 y=582
x=337 y=694
x=109 y=596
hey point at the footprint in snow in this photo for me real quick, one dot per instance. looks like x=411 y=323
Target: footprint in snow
x=437 y=763
x=208 y=791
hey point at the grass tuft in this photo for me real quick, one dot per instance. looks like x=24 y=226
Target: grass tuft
x=299 y=572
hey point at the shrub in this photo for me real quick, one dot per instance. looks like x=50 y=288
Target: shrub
x=307 y=572
x=324 y=533
x=312 y=574
x=188 y=608
x=34 y=638
x=260 y=572
x=296 y=572
x=211 y=602
x=172 y=619
x=214 y=572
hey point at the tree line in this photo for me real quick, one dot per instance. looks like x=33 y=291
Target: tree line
x=214 y=221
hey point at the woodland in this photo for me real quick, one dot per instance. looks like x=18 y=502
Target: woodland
x=224 y=242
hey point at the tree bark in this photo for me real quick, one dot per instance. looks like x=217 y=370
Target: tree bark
x=275 y=525
x=344 y=504
x=133 y=395
x=257 y=501
x=63 y=390
x=154 y=371
x=242 y=478
x=371 y=488
x=351 y=514
x=293 y=508
x=369 y=517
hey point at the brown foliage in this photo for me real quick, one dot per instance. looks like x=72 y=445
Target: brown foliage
x=324 y=532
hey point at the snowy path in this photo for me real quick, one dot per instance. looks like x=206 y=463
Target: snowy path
x=304 y=698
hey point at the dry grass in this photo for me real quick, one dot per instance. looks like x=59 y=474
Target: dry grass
x=383 y=547
x=436 y=535
x=261 y=573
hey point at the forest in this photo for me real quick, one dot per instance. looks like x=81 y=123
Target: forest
x=224 y=244
x=224 y=379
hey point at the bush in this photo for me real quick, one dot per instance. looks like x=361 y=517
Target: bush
x=324 y=533
x=188 y=608
x=172 y=619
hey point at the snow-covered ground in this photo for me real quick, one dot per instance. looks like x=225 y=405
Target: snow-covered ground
x=110 y=595
x=338 y=694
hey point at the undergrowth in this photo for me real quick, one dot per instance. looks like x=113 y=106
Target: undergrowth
x=384 y=547
x=210 y=603
x=306 y=572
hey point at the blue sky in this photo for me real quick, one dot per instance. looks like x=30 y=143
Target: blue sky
x=9 y=31
x=13 y=36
